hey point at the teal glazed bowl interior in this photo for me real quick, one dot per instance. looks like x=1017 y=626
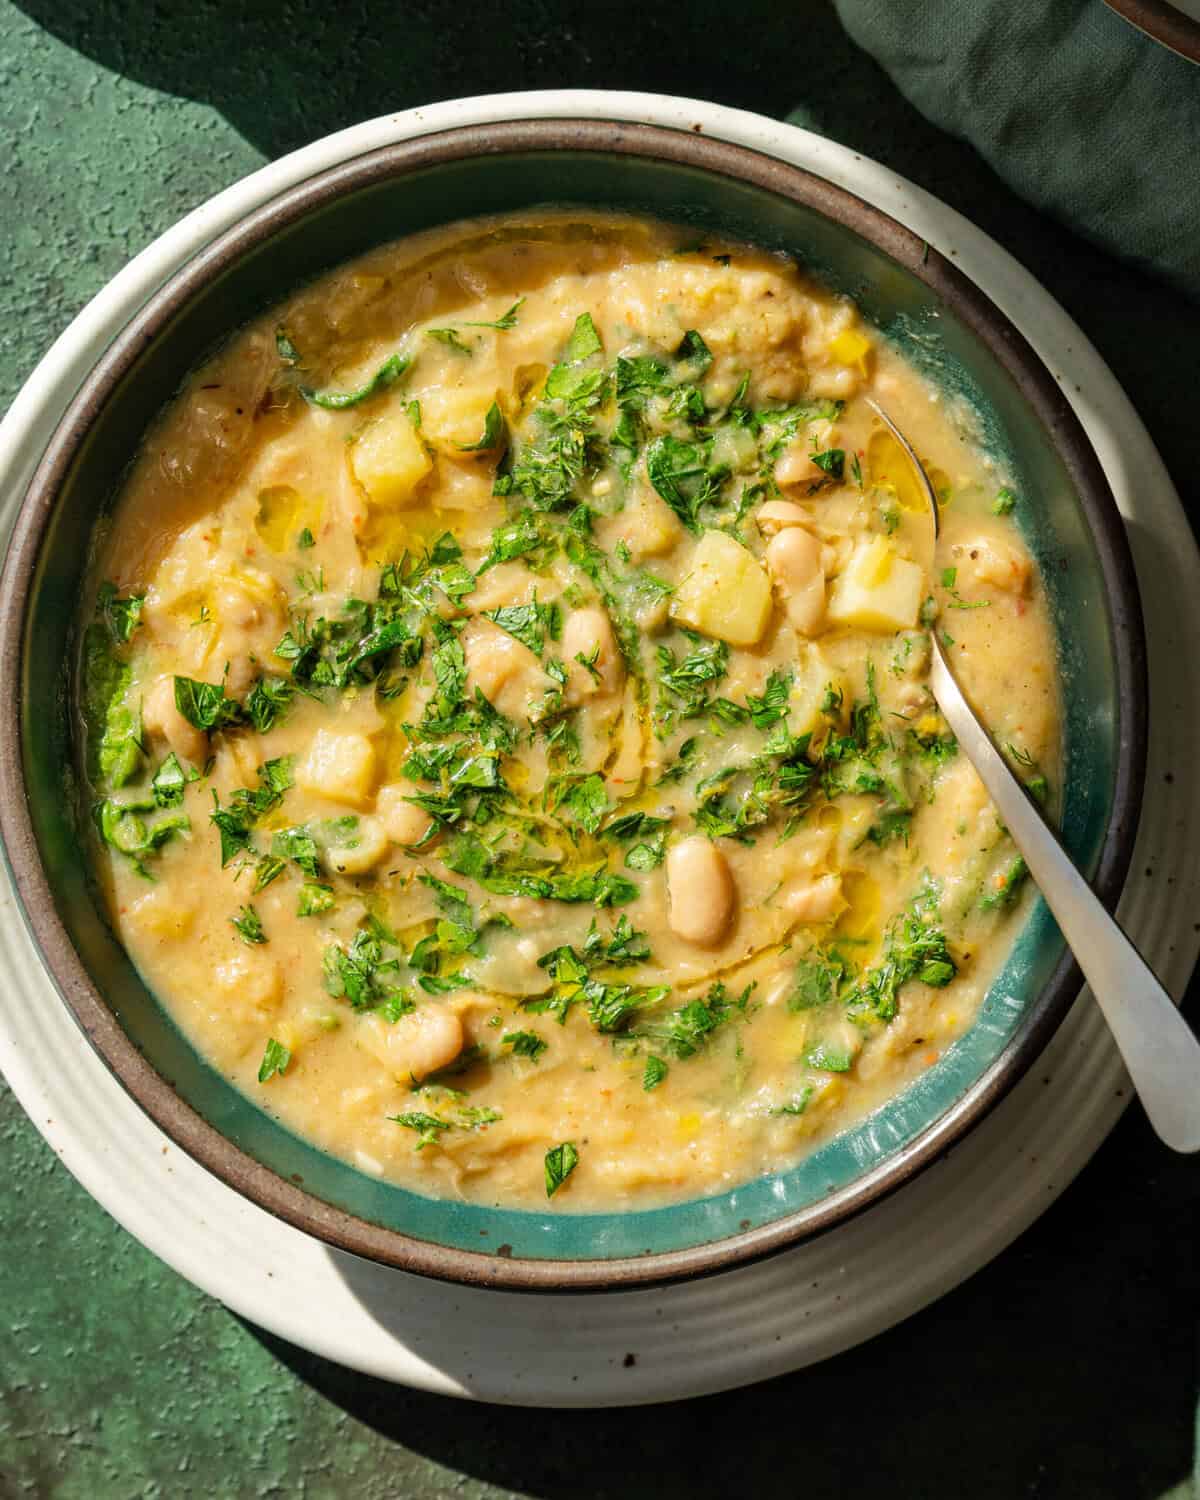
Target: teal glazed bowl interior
x=915 y=298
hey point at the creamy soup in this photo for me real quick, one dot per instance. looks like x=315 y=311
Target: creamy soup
x=506 y=714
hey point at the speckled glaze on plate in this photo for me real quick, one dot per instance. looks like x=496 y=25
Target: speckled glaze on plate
x=764 y=1319
x=942 y=323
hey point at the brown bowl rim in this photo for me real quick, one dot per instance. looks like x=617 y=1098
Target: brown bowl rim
x=1162 y=23
x=291 y=1202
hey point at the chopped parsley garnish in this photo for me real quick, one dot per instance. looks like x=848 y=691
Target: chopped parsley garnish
x=682 y=1033
x=493 y=431
x=431 y=1128
x=505 y=321
x=828 y=1057
x=914 y=948
x=314 y=898
x=584 y=341
x=275 y=1060
x=819 y=981
x=267 y=701
x=360 y=974
x=528 y=623
x=832 y=461
x=560 y=1162
x=1004 y=502
x=248 y=925
x=170 y=780
x=646 y=836
x=234 y=822
x=1006 y=887
x=122 y=827
x=383 y=379
x=205 y=705
x=525 y=1044
x=683 y=474
x=449 y=337
x=466 y=854
x=121 y=615
x=653 y=1073
x=584 y=803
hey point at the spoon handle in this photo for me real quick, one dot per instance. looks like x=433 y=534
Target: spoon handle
x=1160 y=1051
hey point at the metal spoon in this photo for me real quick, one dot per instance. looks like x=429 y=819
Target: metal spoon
x=1160 y=1051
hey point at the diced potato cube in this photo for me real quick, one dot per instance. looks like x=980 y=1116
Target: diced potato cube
x=160 y=915
x=338 y=766
x=850 y=347
x=877 y=590
x=389 y=459
x=815 y=685
x=452 y=416
x=727 y=594
x=648 y=527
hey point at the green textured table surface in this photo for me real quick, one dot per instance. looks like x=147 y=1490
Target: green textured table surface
x=1065 y=1369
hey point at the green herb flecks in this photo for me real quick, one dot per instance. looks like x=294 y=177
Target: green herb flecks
x=122 y=827
x=235 y=821
x=248 y=925
x=915 y=948
x=170 y=780
x=451 y=339
x=654 y=1072
x=525 y=1044
x=275 y=1060
x=383 y=379
x=685 y=1032
x=505 y=321
x=1006 y=887
x=467 y=854
x=205 y=704
x=528 y=623
x=1004 y=502
x=431 y=1128
x=112 y=715
x=684 y=475
x=560 y=1162
x=493 y=432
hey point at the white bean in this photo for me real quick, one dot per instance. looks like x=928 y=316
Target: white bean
x=794 y=560
x=776 y=514
x=365 y=846
x=161 y=717
x=403 y=822
x=418 y=1044
x=795 y=465
x=990 y=560
x=816 y=901
x=507 y=673
x=700 y=892
x=585 y=632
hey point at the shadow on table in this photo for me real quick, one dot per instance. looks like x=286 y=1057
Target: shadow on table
x=284 y=74
x=1066 y=1369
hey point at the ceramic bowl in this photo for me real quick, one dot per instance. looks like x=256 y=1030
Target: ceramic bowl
x=915 y=298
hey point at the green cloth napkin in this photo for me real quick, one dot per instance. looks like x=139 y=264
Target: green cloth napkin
x=1075 y=109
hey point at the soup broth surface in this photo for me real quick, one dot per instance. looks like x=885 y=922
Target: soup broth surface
x=505 y=711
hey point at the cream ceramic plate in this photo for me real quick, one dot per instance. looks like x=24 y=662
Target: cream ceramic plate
x=762 y=1320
